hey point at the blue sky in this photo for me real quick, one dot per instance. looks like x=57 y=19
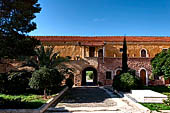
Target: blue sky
x=103 y=18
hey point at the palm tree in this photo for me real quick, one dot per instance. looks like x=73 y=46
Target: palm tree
x=45 y=57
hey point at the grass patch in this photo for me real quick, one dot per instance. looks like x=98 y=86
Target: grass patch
x=29 y=100
x=26 y=101
x=156 y=106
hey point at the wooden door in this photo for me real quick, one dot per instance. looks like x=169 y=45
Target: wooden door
x=167 y=81
x=143 y=76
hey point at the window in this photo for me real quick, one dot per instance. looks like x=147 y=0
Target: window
x=108 y=75
x=100 y=53
x=165 y=49
x=91 y=51
x=143 y=53
x=114 y=55
x=121 y=49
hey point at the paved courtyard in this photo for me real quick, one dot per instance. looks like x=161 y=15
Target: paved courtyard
x=93 y=99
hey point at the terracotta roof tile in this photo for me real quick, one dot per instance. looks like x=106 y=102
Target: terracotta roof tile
x=102 y=38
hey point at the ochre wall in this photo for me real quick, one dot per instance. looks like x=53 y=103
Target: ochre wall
x=111 y=49
x=133 y=50
x=74 y=51
x=69 y=50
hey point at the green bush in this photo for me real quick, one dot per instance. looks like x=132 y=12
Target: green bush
x=125 y=82
x=10 y=102
x=14 y=82
x=69 y=82
x=18 y=82
x=167 y=102
x=3 y=82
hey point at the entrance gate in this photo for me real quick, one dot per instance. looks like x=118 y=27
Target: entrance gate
x=84 y=76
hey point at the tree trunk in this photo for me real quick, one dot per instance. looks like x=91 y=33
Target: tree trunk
x=45 y=94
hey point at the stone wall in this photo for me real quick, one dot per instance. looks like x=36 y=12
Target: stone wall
x=112 y=61
x=114 y=64
x=79 y=65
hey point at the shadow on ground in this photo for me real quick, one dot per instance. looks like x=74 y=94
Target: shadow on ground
x=85 y=95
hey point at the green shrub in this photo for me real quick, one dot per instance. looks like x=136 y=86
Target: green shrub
x=132 y=71
x=167 y=102
x=99 y=83
x=14 y=82
x=18 y=82
x=125 y=82
x=3 y=82
x=10 y=102
x=69 y=82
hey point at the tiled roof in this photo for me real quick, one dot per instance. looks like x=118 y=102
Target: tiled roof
x=102 y=38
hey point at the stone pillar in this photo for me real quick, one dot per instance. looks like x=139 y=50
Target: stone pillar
x=103 y=53
x=83 y=52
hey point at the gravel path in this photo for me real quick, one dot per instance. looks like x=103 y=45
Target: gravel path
x=93 y=99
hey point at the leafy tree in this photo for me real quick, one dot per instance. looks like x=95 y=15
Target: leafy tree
x=161 y=64
x=124 y=57
x=15 y=22
x=45 y=78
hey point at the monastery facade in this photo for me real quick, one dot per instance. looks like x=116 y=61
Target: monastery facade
x=103 y=56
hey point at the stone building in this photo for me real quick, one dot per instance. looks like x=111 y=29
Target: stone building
x=102 y=55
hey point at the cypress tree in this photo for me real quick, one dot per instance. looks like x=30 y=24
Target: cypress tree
x=124 y=57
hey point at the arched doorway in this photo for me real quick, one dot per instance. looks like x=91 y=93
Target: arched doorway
x=143 y=76
x=89 y=76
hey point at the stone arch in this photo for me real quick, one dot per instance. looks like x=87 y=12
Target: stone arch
x=143 y=74
x=89 y=68
x=118 y=71
x=143 y=53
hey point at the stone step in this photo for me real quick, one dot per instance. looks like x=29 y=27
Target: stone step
x=82 y=109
